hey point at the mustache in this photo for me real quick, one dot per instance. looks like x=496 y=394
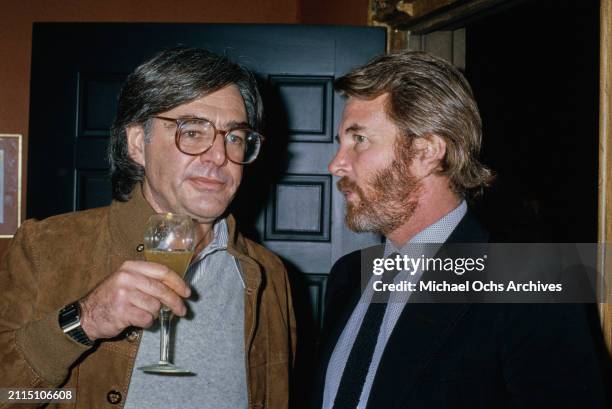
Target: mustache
x=346 y=184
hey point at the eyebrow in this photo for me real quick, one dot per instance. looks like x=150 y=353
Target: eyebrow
x=238 y=124
x=352 y=128
x=194 y=116
x=229 y=125
x=355 y=128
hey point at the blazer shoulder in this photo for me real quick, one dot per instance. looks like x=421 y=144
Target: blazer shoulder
x=345 y=275
x=346 y=262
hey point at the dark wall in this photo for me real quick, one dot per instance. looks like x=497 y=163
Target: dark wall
x=534 y=70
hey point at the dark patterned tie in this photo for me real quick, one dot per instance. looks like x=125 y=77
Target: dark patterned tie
x=360 y=358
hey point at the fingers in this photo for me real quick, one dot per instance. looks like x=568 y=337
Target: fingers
x=160 y=273
x=140 y=317
x=151 y=288
x=145 y=302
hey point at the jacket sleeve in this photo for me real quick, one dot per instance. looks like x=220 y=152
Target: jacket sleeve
x=34 y=352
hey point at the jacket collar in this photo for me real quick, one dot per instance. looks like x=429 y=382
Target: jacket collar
x=237 y=247
x=469 y=230
x=127 y=222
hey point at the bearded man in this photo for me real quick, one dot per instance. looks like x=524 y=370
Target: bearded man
x=407 y=161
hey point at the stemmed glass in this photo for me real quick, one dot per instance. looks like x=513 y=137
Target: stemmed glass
x=169 y=239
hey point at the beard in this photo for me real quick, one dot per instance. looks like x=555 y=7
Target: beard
x=388 y=200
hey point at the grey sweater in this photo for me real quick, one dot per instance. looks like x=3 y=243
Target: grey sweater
x=208 y=342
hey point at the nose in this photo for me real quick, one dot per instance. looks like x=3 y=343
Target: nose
x=339 y=165
x=217 y=153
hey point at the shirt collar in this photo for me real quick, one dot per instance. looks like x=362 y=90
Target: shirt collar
x=219 y=241
x=437 y=232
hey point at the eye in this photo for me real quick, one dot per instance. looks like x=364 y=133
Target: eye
x=359 y=138
x=235 y=137
x=193 y=129
x=191 y=134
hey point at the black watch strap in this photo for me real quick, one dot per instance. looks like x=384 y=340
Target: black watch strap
x=69 y=319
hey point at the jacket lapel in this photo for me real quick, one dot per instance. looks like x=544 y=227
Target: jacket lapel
x=253 y=278
x=342 y=295
x=420 y=332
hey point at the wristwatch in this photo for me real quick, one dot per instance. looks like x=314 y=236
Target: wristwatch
x=69 y=319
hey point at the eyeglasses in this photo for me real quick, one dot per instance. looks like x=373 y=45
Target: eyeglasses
x=194 y=136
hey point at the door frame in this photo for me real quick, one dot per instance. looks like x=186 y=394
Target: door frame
x=605 y=167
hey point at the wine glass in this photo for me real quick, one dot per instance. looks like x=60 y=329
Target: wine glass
x=169 y=239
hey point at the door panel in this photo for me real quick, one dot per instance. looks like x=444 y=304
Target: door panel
x=308 y=102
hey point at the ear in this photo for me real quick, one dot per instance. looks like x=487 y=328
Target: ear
x=136 y=143
x=430 y=152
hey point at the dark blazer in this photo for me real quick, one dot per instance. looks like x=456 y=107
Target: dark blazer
x=471 y=355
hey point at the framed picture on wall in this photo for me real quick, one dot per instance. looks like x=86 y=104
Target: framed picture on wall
x=10 y=184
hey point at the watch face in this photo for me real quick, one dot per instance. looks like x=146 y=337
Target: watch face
x=70 y=323
x=69 y=315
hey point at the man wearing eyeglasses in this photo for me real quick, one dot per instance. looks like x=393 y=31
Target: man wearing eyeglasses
x=77 y=293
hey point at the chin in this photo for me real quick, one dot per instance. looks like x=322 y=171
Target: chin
x=207 y=214
x=205 y=204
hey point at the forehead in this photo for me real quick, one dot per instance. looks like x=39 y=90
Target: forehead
x=368 y=115
x=223 y=104
x=366 y=110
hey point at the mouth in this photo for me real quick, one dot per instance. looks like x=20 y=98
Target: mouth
x=350 y=195
x=349 y=189
x=347 y=192
x=205 y=183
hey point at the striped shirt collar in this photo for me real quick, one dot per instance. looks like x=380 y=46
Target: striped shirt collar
x=219 y=241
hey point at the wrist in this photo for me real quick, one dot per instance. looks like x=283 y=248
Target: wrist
x=86 y=320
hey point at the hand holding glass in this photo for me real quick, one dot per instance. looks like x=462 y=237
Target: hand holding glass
x=169 y=240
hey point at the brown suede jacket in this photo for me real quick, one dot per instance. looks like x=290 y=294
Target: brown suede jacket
x=56 y=261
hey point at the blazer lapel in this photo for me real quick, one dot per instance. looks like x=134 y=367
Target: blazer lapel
x=420 y=332
x=349 y=301
x=343 y=294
